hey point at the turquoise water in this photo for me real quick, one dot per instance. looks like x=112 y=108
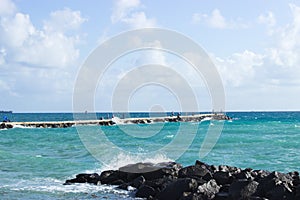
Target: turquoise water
x=35 y=162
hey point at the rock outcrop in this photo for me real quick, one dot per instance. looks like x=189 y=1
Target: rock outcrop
x=170 y=180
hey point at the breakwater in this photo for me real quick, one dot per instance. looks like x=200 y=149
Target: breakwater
x=114 y=120
x=172 y=181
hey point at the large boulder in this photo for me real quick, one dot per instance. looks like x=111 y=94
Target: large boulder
x=242 y=189
x=5 y=126
x=146 y=191
x=223 y=177
x=275 y=183
x=209 y=189
x=176 y=189
x=150 y=171
x=111 y=177
x=197 y=172
x=85 y=178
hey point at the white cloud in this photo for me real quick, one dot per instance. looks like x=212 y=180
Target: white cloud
x=286 y=53
x=7 y=7
x=139 y=20
x=64 y=20
x=7 y=88
x=268 y=19
x=217 y=20
x=53 y=45
x=277 y=65
x=154 y=56
x=39 y=60
x=4 y=86
x=240 y=68
x=51 y=50
x=128 y=12
x=2 y=56
x=122 y=8
x=16 y=30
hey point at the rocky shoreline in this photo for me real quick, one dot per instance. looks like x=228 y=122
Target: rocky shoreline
x=200 y=181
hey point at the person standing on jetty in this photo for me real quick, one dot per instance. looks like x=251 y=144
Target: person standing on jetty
x=5 y=119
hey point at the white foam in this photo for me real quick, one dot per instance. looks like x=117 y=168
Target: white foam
x=206 y=119
x=54 y=185
x=125 y=159
x=20 y=126
x=169 y=136
x=117 y=120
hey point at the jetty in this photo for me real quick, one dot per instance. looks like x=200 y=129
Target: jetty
x=114 y=120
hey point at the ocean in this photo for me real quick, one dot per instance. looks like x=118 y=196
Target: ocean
x=35 y=162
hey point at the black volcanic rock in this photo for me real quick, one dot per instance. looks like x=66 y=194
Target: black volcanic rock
x=201 y=181
x=196 y=172
x=176 y=189
x=209 y=189
x=5 y=126
x=145 y=191
x=242 y=189
x=85 y=178
x=223 y=178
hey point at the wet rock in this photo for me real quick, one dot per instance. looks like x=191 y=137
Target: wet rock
x=169 y=181
x=222 y=196
x=244 y=175
x=117 y=182
x=223 y=177
x=192 y=196
x=297 y=192
x=209 y=189
x=275 y=184
x=295 y=177
x=124 y=186
x=195 y=172
x=242 y=189
x=110 y=177
x=260 y=174
x=281 y=191
x=5 y=126
x=85 y=178
x=161 y=183
x=151 y=171
x=145 y=191
x=176 y=189
x=138 y=182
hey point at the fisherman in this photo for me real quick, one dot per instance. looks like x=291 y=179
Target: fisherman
x=172 y=114
x=5 y=119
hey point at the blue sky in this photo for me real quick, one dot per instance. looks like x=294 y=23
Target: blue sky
x=255 y=46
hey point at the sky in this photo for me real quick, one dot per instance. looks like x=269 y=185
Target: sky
x=255 y=46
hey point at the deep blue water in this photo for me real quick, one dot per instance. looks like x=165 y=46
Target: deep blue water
x=35 y=162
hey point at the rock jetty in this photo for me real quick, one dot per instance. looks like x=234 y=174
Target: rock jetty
x=169 y=180
x=113 y=121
